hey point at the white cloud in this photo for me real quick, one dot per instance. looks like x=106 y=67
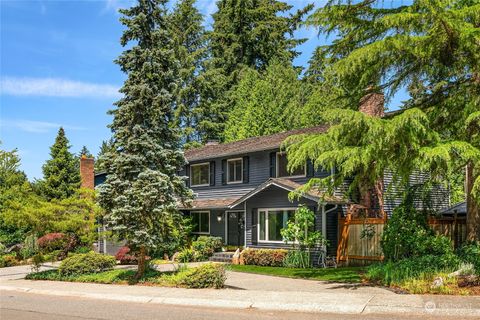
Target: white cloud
x=55 y=87
x=36 y=126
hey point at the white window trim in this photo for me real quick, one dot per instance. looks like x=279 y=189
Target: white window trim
x=276 y=168
x=191 y=175
x=266 y=223
x=202 y=211
x=228 y=171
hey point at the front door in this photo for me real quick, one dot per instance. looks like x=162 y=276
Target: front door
x=235 y=228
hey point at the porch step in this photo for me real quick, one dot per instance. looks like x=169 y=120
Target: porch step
x=222 y=257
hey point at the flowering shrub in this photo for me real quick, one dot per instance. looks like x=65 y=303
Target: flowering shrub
x=263 y=257
x=53 y=241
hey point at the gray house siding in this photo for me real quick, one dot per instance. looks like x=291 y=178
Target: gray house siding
x=259 y=172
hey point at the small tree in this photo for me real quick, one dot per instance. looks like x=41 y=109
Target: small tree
x=303 y=237
x=60 y=173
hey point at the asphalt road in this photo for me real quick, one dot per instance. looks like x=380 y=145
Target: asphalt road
x=27 y=306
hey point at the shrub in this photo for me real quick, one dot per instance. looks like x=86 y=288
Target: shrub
x=84 y=263
x=186 y=255
x=209 y=275
x=53 y=241
x=264 y=257
x=297 y=259
x=407 y=235
x=8 y=260
x=413 y=268
x=125 y=257
x=83 y=250
x=471 y=253
x=205 y=246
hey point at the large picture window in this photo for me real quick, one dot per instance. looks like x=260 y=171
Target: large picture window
x=271 y=221
x=235 y=170
x=282 y=164
x=201 y=222
x=200 y=174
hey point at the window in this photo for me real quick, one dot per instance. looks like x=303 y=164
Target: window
x=201 y=222
x=234 y=170
x=282 y=164
x=200 y=174
x=271 y=221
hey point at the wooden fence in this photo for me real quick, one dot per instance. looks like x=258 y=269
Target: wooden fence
x=359 y=238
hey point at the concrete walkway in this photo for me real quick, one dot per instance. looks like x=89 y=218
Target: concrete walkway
x=270 y=297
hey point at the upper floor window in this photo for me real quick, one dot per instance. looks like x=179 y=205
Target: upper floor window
x=235 y=170
x=200 y=174
x=282 y=164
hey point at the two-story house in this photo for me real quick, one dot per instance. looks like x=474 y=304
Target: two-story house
x=241 y=189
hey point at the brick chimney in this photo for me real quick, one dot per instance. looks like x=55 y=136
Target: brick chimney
x=87 y=173
x=373 y=103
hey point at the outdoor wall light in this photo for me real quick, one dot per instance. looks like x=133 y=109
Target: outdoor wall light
x=219 y=217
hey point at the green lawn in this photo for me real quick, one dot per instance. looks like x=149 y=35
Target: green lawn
x=346 y=274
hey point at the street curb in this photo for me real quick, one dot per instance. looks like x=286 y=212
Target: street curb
x=344 y=308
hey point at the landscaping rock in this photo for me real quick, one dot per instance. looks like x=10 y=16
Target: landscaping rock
x=437 y=283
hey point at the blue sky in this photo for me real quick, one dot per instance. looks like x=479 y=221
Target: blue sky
x=57 y=70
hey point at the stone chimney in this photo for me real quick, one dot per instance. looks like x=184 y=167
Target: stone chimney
x=372 y=103
x=87 y=172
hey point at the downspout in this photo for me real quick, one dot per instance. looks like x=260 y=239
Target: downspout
x=245 y=223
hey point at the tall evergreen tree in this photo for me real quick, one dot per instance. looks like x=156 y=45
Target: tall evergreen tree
x=103 y=155
x=142 y=189
x=61 y=178
x=246 y=34
x=189 y=40
x=429 y=47
x=265 y=103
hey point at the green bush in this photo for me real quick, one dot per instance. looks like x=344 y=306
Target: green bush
x=264 y=257
x=397 y=272
x=408 y=235
x=471 y=253
x=84 y=263
x=297 y=259
x=186 y=255
x=209 y=275
x=205 y=246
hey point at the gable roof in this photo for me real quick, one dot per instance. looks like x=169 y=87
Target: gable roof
x=253 y=144
x=289 y=185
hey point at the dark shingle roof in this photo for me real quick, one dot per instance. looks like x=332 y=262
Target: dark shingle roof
x=460 y=208
x=254 y=144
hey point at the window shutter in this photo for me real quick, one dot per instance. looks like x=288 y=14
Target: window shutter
x=310 y=168
x=187 y=173
x=254 y=225
x=224 y=171
x=212 y=173
x=246 y=169
x=273 y=164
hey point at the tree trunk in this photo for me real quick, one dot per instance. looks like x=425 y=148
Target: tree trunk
x=141 y=263
x=473 y=209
